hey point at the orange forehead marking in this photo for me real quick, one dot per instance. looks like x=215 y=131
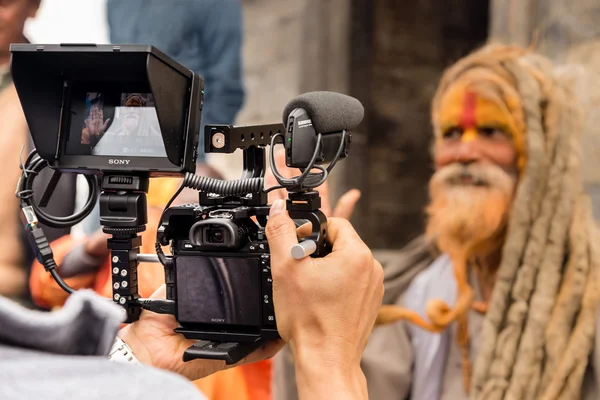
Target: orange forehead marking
x=468 y=119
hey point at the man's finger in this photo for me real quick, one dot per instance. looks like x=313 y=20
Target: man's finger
x=346 y=203
x=281 y=234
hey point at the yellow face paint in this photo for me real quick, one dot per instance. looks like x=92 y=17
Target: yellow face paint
x=464 y=110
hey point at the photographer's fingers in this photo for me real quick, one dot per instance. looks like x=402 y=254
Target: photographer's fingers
x=281 y=234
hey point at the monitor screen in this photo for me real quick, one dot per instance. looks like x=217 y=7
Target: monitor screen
x=121 y=124
x=218 y=290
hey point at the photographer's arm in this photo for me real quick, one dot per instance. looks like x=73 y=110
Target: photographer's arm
x=325 y=307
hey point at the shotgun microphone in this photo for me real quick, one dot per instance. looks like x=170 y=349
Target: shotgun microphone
x=314 y=113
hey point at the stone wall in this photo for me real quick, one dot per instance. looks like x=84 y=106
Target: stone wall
x=399 y=51
x=389 y=55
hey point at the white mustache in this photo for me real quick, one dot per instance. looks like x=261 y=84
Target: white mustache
x=487 y=175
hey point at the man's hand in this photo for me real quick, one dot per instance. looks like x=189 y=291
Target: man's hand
x=95 y=122
x=325 y=307
x=343 y=208
x=154 y=342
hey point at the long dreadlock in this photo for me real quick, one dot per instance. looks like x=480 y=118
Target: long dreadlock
x=543 y=304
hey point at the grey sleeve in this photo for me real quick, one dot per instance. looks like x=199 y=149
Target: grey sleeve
x=35 y=375
x=78 y=262
x=63 y=355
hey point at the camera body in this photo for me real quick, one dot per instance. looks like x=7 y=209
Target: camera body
x=219 y=275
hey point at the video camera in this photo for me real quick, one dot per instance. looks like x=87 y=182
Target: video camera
x=121 y=115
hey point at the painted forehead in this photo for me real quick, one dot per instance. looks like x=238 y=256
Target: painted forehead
x=465 y=108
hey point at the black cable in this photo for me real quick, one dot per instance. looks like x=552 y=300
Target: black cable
x=326 y=171
x=34 y=164
x=306 y=180
x=273 y=188
x=63 y=285
x=159 y=306
x=224 y=188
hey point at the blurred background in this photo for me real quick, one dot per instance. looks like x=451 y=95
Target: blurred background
x=389 y=54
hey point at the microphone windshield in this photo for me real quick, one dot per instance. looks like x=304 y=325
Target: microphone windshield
x=329 y=111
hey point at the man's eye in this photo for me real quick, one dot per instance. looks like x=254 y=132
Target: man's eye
x=453 y=133
x=491 y=132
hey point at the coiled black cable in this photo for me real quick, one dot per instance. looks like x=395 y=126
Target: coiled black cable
x=223 y=188
x=32 y=167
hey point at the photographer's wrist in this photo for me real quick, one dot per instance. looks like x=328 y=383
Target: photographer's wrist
x=324 y=373
x=141 y=353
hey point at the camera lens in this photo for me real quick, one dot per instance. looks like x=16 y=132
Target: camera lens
x=216 y=235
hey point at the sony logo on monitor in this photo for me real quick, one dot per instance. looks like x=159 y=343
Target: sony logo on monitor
x=116 y=161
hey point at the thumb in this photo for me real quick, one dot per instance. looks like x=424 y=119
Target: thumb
x=281 y=233
x=106 y=123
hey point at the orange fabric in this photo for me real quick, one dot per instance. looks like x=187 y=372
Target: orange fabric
x=248 y=382
x=161 y=190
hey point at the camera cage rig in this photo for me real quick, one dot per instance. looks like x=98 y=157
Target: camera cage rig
x=245 y=198
x=123 y=206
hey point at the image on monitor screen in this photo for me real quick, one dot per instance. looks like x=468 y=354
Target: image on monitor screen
x=125 y=127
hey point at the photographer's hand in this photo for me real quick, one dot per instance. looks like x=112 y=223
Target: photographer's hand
x=154 y=342
x=325 y=307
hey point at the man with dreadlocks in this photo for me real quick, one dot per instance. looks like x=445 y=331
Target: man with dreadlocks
x=498 y=299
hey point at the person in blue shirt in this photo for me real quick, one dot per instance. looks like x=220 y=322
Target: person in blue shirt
x=204 y=35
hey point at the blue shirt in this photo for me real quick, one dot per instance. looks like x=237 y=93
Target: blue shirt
x=203 y=35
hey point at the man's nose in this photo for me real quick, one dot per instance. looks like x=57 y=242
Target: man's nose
x=468 y=148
